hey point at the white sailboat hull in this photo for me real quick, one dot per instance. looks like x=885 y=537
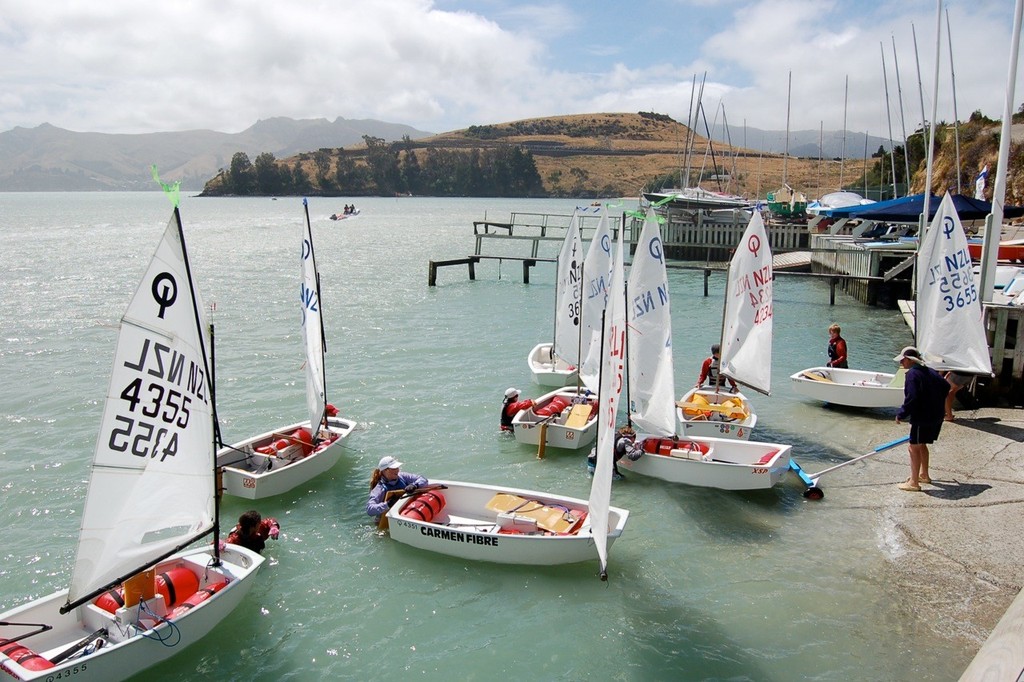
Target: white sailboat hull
x=851 y=387
x=255 y=476
x=526 y=425
x=129 y=650
x=548 y=370
x=467 y=528
x=722 y=463
x=715 y=424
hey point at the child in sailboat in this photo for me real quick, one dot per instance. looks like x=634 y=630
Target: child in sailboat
x=253 y=530
x=709 y=370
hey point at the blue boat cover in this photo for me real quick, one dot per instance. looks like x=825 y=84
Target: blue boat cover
x=908 y=209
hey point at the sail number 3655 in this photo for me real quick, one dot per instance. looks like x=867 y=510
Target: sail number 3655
x=145 y=438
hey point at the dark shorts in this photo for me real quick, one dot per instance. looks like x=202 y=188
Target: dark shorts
x=923 y=434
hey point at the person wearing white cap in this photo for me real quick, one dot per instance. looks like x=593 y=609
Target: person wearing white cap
x=511 y=407
x=387 y=478
x=924 y=405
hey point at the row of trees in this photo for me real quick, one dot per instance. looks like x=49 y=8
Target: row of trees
x=385 y=169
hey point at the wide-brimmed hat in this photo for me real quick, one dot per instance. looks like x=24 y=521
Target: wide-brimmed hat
x=509 y=392
x=388 y=462
x=909 y=353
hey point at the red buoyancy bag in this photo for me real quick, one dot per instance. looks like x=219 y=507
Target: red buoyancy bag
x=176 y=585
x=196 y=599
x=665 y=446
x=303 y=438
x=554 y=406
x=25 y=657
x=425 y=506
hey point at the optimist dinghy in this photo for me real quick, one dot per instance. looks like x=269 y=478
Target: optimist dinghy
x=850 y=387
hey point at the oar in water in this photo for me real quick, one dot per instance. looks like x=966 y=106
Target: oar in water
x=393 y=496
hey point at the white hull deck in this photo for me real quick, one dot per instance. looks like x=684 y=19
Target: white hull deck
x=723 y=463
x=566 y=430
x=255 y=476
x=472 y=525
x=131 y=643
x=850 y=387
x=547 y=370
x=705 y=413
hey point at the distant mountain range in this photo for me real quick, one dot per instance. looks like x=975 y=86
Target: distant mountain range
x=802 y=143
x=47 y=158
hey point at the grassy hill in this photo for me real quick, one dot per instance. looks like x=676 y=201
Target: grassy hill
x=609 y=155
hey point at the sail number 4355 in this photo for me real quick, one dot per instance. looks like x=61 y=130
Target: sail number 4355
x=167 y=408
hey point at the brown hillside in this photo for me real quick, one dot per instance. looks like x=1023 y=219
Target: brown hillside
x=622 y=154
x=613 y=155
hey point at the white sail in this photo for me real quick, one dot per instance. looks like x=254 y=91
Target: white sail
x=151 y=486
x=568 y=294
x=597 y=275
x=747 y=320
x=651 y=374
x=611 y=385
x=312 y=330
x=950 y=319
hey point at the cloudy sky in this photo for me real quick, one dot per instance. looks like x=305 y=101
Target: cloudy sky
x=124 y=66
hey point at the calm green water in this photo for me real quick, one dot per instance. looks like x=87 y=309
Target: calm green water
x=704 y=584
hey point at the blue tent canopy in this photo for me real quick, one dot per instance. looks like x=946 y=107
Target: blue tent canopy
x=908 y=209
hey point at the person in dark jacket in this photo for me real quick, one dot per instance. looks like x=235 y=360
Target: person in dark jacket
x=625 y=444
x=924 y=405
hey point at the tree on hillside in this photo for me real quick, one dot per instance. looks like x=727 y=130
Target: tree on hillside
x=270 y=180
x=241 y=178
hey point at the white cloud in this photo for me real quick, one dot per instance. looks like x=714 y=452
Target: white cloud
x=124 y=66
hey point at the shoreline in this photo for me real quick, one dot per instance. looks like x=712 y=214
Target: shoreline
x=954 y=548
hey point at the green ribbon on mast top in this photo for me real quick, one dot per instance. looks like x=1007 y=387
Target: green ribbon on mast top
x=172 y=191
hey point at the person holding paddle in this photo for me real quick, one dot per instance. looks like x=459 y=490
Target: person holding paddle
x=388 y=483
x=924 y=404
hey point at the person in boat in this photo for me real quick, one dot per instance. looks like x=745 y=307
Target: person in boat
x=253 y=530
x=709 y=370
x=625 y=444
x=924 y=400
x=511 y=407
x=386 y=482
x=346 y=210
x=836 y=348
